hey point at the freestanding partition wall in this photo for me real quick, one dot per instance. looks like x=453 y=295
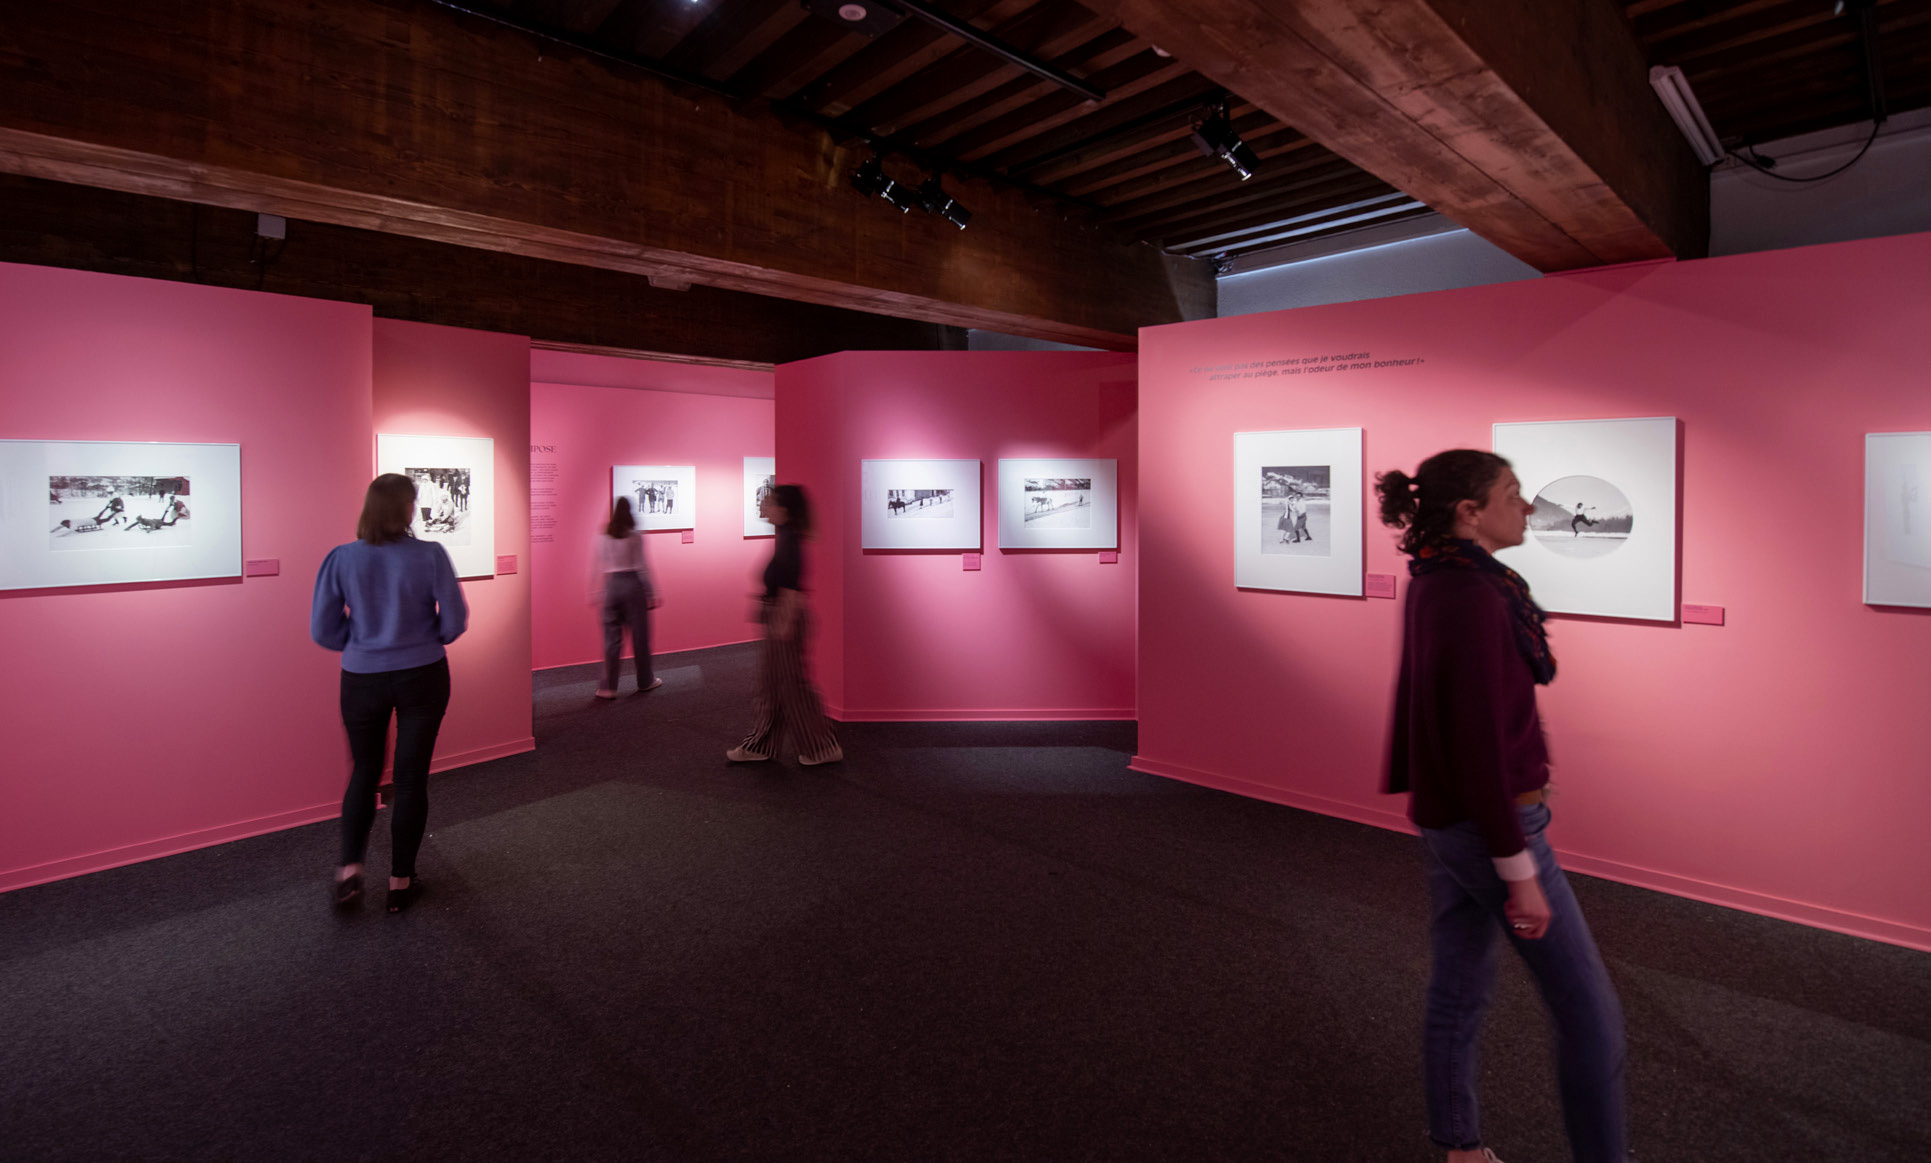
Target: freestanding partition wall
x=1775 y=762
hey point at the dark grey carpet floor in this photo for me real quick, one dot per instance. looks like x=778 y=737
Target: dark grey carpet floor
x=968 y=941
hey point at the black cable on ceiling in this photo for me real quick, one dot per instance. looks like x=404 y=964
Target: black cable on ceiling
x=1763 y=165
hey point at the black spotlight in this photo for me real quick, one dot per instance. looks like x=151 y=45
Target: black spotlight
x=1215 y=137
x=936 y=201
x=871 y=180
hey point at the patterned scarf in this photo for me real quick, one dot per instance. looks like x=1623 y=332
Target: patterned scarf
x=1530 y=638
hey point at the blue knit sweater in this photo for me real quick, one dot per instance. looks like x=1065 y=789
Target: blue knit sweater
x=387 y=607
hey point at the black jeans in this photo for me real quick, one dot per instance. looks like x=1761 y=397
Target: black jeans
x=417 y=697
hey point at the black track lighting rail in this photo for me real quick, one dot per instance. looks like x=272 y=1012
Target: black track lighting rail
x=939 y=18
x=584 y=45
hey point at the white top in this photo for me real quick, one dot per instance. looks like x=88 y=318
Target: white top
x=616 y=555
x=620 y=554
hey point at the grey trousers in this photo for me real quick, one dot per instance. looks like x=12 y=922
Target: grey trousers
x=626 y=601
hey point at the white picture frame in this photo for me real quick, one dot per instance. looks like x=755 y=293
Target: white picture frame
x=178 y=516
x=919 y=504
x=662 y=496
x=760 y=474
x=1602 y=541
x=1318 y=549
x=1897 y=519
x=1059 y=503
x=455 y=493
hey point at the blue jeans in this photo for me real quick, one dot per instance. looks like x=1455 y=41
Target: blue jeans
x=1466 y=932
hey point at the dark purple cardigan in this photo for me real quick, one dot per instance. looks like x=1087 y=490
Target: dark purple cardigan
x=1467 y=738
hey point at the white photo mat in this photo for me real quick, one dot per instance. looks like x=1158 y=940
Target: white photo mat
x=106 y=512
x=1297 y=511
x=1602 y=541
x=662 y=496
x=1897 y=518
x=919 y=504
x=1059 y=503
x=455 y=493
x=760 y=473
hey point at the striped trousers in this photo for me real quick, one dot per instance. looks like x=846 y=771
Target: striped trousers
x=785 y=701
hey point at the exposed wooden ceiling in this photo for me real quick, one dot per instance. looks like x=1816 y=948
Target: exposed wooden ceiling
x=711 y=142
x=1764 y=69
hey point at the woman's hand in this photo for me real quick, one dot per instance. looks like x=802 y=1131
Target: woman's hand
x=653 y=602
x=1527 y=909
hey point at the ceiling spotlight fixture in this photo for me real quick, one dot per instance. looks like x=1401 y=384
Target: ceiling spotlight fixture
x=871 y=180
x=936 y=201
x=1215 y=137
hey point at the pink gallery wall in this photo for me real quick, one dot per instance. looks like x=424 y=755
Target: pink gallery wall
x=912 y=634
x=1777 y=763
x=579 y=431
x=447 y=381
x=145 y=720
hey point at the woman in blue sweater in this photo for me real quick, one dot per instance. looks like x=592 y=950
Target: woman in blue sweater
x=389 y=603
x=1467 y=747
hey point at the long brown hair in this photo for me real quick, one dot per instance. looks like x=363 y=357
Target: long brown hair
x=1423 y=506
x=621 y=522
x=387 y=510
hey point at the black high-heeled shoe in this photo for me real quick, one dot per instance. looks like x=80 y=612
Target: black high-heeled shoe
x=348 y=891
x=401 y=898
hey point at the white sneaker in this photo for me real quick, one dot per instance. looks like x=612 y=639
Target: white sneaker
x=833 y=756
x=740 y=755
x=603 y=694
x=654 y=684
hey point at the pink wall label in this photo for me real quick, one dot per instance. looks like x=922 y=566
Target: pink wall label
x=1380 y=585
x=690 y=535
x=262 y=567
x=1109 y=557
x=506 y=563
x=972 y=561
x=1706 y=615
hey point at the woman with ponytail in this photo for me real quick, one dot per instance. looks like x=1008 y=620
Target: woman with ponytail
x=1468 y=749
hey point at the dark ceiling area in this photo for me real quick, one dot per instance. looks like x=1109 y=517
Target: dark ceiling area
x=932 y=100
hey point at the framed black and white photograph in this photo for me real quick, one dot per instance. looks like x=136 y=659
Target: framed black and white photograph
x=455 y=479
x=1602 y=536
x=76 y=513
x=919 y=504
x=662 y=496
x=1297 y=510
x=1897 y=518
x=760 y=477
x=1059 y=503
x=442 y=503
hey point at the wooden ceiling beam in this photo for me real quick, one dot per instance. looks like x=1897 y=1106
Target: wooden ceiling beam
x=1139 y=74
x=982 y=100
x=1101 y=173
x=1530 y=122
x=1209 y=216
x=1209 y=178
x=58 y=225
x=401 y=117
x=1125 y=116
